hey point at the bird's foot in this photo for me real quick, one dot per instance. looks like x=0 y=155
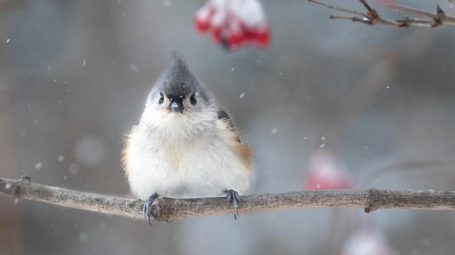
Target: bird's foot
x=147 y=209
x=233 y=198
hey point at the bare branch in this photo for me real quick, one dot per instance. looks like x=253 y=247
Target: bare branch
x=372 y=16
x=336 y=8
x=168 y=209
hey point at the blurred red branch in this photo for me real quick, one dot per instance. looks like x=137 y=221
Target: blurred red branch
x=167 y=209
x=372 y=17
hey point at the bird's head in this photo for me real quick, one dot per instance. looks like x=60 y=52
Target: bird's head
x=178 y=100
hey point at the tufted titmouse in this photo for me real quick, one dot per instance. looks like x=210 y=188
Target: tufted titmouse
x=184 y=145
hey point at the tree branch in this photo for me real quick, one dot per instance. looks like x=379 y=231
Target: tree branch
x=168 y=209
x=372 y=17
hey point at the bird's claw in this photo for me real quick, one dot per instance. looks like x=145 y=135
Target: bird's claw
x=147 y=209
x=233 y=198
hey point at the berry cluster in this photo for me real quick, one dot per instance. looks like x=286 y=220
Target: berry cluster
x=234 y=23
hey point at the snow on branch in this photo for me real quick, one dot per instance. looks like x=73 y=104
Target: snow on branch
x=168 y=209
x=372 y=17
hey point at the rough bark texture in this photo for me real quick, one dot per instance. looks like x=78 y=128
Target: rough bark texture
x=168 y=209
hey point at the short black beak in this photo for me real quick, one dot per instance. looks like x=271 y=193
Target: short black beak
x=176 y=104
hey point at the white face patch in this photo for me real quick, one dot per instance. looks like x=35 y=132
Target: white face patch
x=174 y=125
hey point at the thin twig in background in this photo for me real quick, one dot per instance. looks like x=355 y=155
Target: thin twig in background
x=168 y=209
x=372 y=16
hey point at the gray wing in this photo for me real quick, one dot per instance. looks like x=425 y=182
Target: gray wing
x=222 y=115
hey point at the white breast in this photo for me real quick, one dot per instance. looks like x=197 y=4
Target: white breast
x=204 y=165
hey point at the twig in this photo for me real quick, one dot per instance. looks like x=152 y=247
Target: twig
x=168 y=209
x=372 y=16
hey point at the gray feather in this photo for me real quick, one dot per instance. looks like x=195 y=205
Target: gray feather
x=222 y=115
x=179 y=80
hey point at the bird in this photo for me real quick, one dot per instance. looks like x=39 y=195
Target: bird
x=184 y=144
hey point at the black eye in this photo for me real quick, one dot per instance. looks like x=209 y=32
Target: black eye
x=193 y=100
x=161 y=100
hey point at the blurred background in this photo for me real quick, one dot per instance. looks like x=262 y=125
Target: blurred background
x=374 y=106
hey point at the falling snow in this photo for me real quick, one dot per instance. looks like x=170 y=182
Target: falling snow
x=61 y=158
x=274 y=131
x=73 y=169
x=242 y=95
x=90 y=150
x=84 y=62
x=38 y=165
x=83 y=237
x=166 y=3
x=134 y=68
x=8 y=40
